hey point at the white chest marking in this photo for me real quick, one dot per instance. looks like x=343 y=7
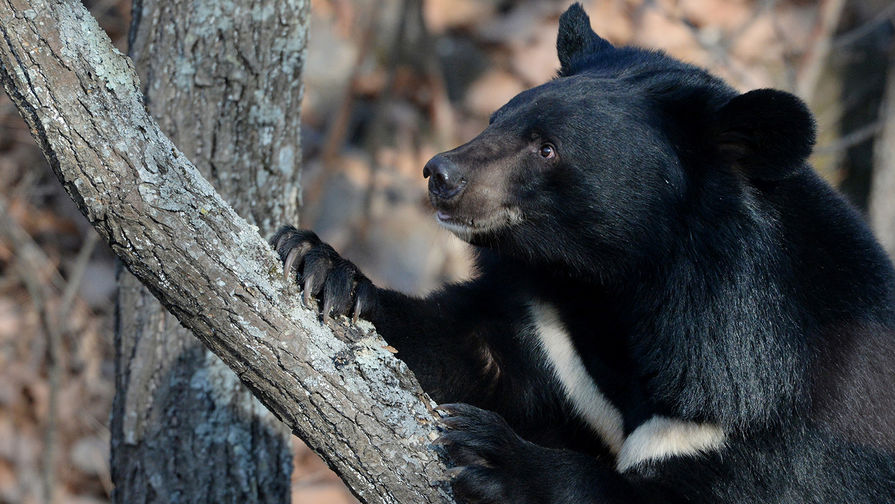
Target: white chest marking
x=660 y=438
x=584 y=395
x=656 y=439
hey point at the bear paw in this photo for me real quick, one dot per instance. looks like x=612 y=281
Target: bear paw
x=322 y=272
x=487 y=455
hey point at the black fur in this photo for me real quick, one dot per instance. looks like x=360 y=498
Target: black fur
x=701 y=270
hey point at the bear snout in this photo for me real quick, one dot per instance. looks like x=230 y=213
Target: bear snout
x=445 y=179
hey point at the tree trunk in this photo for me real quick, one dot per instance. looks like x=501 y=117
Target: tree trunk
x=343 y=392
x=882 y=190
x=224 y=82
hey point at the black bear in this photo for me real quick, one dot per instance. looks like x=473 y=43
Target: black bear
x=670 y=306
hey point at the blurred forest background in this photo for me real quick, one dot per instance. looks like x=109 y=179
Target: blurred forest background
x=389 y=83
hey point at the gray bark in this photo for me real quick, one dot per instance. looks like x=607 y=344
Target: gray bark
x=337 y=387
x=223 y=79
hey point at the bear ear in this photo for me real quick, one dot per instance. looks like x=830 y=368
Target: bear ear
x=768 y=134
x=576 y=40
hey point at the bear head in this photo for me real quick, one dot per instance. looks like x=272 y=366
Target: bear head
x=606 y=165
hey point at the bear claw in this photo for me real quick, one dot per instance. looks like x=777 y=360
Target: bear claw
x=322 y=273
x=482 y=449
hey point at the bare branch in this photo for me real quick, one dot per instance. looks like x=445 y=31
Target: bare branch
x=850 y=37
x=77 y=274
x=33 y=266
x=813 y=61
x=851 y=139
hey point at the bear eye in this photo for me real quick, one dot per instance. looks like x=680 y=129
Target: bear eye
x=547 y=151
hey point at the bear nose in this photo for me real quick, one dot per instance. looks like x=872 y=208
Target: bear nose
x=445 y=180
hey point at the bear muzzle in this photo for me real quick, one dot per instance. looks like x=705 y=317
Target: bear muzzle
x=446 y=181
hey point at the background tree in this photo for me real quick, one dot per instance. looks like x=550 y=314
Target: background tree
x=224 y=81
x=882 y=195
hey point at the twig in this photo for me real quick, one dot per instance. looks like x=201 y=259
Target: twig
x=719 y=52
x=338 y=127
x=852 y=36
x=105 y=475
x=77 y=274
x=440 y=110
x=856 y=137
x=765 y=6
x=19 y=236
x=813 y=62
x=31 y=267
x=375 y=132
x=857 y=95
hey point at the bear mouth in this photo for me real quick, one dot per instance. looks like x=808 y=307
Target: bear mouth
x=466 y=227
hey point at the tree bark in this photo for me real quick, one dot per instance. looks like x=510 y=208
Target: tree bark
x=224 y=82
x=347 y=396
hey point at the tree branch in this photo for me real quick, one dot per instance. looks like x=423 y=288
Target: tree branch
x=347 y=396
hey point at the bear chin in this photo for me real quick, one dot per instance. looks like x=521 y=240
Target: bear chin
x=471 y=229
